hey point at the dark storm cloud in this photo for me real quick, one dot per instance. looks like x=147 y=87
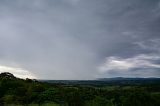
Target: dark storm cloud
x=72 y=39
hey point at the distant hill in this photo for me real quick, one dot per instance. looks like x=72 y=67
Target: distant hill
x=123 y=78
x=118 y=81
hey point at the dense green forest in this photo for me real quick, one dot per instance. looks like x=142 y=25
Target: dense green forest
x=19 y=92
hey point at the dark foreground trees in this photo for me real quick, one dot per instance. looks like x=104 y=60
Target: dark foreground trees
x=18 y=91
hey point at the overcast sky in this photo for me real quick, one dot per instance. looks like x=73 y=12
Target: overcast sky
x=80 y=39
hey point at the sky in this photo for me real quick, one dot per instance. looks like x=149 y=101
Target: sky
x=80 y=39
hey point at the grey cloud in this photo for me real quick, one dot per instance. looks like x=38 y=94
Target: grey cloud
x=150 y=45
x=68 y=39
x=138 y=66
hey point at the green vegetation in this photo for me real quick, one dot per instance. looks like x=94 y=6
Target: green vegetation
x=19 y=92
x=45 y=104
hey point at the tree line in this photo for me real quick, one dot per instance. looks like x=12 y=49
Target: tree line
x=27 y=91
